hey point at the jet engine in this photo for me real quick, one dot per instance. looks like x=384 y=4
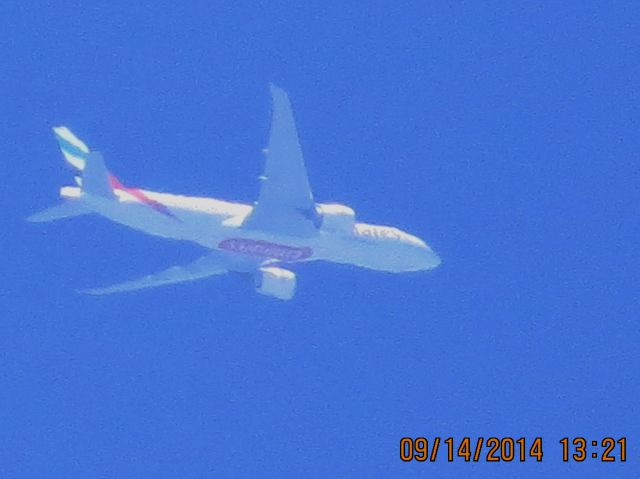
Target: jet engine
x=277 y=282
x=336 y=217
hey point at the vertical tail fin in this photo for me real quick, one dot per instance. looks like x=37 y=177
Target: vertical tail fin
x=95 y=176
x=94 y=179
x=75 y=151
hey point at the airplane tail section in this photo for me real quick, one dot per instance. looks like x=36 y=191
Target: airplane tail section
x=92 y=179
x=94 y=183
x=95 y=178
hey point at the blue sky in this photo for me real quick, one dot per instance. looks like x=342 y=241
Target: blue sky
x=503 y=133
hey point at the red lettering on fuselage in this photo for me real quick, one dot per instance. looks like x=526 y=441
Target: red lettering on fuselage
x=265 y=249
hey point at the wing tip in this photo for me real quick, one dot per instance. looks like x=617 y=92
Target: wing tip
x=277 y=91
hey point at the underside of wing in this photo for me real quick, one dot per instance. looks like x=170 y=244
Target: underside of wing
x=285 y=204
x=214 y=263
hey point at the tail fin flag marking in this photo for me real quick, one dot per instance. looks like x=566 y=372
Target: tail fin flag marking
x=96 y=179
x=75 y=151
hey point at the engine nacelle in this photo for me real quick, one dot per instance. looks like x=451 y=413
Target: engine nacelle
x=336 y=217
x=277 y=282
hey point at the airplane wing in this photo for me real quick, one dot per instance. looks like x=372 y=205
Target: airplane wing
x=285 y=204
x=214 y=263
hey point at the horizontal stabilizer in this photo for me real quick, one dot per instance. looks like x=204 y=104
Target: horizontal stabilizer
x=203 y=267
x=66 y=209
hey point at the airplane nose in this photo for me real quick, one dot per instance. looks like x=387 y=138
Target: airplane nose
x=435 y=260
x=429 y=259
x=422 y=256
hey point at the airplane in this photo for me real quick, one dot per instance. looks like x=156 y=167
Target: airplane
x=285 y=226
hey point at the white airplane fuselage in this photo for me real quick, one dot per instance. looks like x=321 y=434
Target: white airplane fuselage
x=216 y=224
x=284 y=226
